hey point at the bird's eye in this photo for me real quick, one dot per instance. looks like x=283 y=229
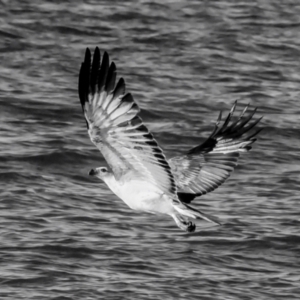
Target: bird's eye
x=103 y=170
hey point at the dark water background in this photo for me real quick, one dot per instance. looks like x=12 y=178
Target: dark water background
x=63 y=235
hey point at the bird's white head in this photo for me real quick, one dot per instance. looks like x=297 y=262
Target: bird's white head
x=102 y=173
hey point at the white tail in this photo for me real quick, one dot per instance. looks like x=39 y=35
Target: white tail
x=191 y=212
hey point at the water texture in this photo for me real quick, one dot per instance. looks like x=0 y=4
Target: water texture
x=63 y=234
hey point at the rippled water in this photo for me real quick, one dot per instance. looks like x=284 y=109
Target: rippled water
x=63 y=234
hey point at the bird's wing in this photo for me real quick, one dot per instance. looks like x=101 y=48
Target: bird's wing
x=115 y=128
x=208 y=165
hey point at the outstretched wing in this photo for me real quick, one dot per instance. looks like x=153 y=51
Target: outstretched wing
x=114 y=127
x=208 y=165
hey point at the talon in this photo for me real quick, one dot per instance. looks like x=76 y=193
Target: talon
x=190 y=227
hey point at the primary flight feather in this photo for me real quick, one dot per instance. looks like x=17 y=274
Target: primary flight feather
x=138 y=171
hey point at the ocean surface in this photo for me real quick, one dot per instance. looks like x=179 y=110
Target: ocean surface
x=63 y=234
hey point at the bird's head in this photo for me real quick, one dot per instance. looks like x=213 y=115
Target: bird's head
x=101 y=173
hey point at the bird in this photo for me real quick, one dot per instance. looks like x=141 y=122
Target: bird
x=137 y=170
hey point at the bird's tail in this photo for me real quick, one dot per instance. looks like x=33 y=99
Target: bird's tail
x=191 y=212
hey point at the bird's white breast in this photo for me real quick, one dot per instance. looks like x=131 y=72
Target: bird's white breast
x=141 y=195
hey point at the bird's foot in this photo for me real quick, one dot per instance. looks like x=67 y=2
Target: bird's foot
x=190 y=227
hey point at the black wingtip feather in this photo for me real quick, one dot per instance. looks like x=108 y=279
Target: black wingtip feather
x=87 y=57
x=235 y=130
x=111 y=78
x=84 y=77
x=228 y=118
x=95 y=70
x=120 y=88
x=103 y=71
x=128 y=98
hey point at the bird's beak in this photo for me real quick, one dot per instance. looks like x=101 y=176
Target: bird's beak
x=92 y=172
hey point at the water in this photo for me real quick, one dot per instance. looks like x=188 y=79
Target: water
x=63 y=234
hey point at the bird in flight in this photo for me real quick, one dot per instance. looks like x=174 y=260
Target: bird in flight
x=138 y=171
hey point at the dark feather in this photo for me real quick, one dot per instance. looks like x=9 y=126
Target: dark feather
x=111 y=78
x=103 y=71
x=127 y=98
x=120 y=88
x=95 y=70
x=84 y=78
x=186 y=197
